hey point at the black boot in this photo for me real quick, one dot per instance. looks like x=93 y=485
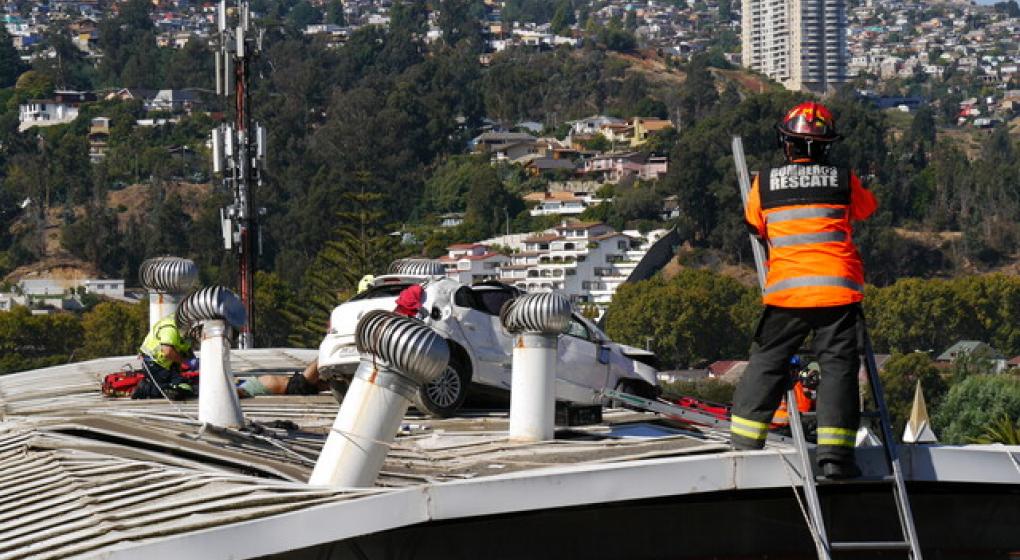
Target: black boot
x=840 y=470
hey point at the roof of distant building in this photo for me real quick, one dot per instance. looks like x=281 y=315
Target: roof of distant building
x=579 y=225
x=543 y=237
x=966 y=347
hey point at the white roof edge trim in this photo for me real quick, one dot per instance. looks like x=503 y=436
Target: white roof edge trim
x=552 y=488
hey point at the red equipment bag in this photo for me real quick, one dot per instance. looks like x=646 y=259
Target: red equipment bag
x=122 y=383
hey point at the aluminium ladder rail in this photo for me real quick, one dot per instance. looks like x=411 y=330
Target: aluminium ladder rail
x=808 y=481
x=687 y=415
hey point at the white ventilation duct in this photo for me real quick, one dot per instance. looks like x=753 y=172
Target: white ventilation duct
x=538 y=320
x=166 y=279
x=398 y=356
x=210 y=313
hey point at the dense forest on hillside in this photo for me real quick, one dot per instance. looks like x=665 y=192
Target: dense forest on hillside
x=369 y=138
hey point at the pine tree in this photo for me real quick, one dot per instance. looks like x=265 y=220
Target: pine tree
x=359 y=245
x=335 y=13
x=10 y=62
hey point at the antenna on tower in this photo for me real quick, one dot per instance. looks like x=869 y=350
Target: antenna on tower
x=239 y=148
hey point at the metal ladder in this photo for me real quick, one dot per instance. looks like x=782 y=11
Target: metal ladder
x=825 y=547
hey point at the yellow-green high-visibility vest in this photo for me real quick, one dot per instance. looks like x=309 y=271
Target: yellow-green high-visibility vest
x=164 y=332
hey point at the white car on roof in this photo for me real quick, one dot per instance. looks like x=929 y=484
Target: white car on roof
x=480 y=358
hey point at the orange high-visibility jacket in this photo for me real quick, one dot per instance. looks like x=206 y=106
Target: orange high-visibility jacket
x=804 y=404
x=803 y=210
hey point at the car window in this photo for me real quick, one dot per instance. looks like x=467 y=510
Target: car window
x=577 y=329
x=491 y=301
x=384 y=290
x=464 y=297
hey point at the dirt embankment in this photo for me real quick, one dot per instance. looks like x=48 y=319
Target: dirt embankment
x=133 y=201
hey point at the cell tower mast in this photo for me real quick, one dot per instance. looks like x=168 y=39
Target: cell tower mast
x=239 y=148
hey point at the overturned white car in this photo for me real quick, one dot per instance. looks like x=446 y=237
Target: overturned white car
x=468 y=318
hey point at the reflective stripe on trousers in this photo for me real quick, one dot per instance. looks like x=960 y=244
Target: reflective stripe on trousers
x=749 y=428
x=840 y=437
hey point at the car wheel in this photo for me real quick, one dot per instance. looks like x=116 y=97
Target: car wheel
x=444 y=396
x=338 y=386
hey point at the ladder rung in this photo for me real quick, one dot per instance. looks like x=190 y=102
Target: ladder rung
x=870 y=545
x=858 y=480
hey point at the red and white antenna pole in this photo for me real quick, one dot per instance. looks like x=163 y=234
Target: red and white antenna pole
x=239 y=150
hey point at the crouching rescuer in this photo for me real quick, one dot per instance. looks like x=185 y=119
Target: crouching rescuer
x=814 y=286
x=164 y=351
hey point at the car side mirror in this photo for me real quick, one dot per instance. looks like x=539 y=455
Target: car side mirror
x=603 y=356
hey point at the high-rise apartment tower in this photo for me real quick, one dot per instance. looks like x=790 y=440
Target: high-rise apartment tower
x=799 y=43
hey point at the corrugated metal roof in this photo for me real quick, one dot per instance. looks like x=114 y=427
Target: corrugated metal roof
x=82 y=475
x=55 y=390
x=63 y=495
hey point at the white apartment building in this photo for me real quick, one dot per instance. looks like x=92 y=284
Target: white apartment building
x=469 y=263
x=585 y=261
x=800 y=43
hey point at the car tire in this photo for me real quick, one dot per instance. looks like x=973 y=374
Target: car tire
x=443 y=397
x=339 y=386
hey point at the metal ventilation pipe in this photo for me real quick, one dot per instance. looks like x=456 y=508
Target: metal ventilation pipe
x=211 y=312
x=166 y=279
x=538 y=319
x=418 y=267
x=398 y=356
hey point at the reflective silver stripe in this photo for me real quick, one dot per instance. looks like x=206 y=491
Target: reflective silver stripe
x=805 y=238
x=811 y=281
x=800 y=213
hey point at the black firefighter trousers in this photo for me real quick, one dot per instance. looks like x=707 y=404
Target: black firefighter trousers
x=779 y=335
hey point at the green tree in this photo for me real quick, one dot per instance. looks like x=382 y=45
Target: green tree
x=725 y=10
x=67 y=67
x=30 y=341
x=1002 y=430
x=335 y=13
x=94 y=237
x=694 y=317
x=359 y=245
x=273 y=297
x=899 y=380
x=10 y=61
x=973 y=404
x=564 y=18
x=303 y=14
x=128 y=41
x=190 y=67
x=458 y=21
x=34 y=84
x=113 y=328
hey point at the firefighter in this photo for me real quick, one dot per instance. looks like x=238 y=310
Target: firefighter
x=805 y=386
x=815 y=284
x=164 y=351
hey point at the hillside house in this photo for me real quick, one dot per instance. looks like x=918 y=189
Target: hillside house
x=62 y=108
x=470 y=263
x=613 y=167
x=99 y=138
x=643 y=128
x=975 y=348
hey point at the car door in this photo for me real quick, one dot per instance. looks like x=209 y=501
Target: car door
x=477 y=329
x=579 y=371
